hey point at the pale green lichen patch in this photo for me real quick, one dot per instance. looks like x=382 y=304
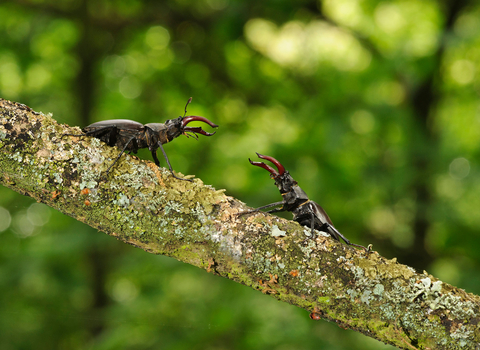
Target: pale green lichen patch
x=378 y=289
x=88 y=184
x=122 y=200
x=276 y=232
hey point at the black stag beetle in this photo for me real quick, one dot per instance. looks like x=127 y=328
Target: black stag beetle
x=305 y=212
x=129 y=135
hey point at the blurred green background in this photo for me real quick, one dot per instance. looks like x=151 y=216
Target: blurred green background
x=373 y=106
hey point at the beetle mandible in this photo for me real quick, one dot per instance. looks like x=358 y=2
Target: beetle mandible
x=305 y=211
x=129 y=135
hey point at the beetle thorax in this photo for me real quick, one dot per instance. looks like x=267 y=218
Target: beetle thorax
x=155 y=132
x=164 y=132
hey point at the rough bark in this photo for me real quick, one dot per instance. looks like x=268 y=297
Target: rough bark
x=145 y=206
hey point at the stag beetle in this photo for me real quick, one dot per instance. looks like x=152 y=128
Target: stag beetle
x=305 y=212
x=129 y=135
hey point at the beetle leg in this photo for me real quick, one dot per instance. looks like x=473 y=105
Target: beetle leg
x=336 y=234
x=118 y=157
x=276 y=210
x=154 y=156
x=168 y=162
x=264 y=207
x=313 y=223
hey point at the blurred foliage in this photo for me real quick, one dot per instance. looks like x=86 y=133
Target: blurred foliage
x=371 y=105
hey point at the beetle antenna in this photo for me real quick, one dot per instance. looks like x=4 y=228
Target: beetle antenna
x=188 y=102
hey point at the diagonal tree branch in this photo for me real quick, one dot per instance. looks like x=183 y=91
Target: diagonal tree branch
x=145 y=206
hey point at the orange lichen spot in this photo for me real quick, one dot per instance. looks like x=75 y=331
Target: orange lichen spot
x=266 y=288
x=316 y=315
x=269 y=290
x=87 y=202
x=85 y=191
x=293 y=273
x=55 y=194
x=157 y=172
x=211 y=263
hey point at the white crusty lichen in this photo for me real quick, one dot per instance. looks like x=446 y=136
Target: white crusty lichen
x=276 y=232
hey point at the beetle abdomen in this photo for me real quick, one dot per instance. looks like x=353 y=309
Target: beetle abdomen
x=119 y=123
x=122 y=133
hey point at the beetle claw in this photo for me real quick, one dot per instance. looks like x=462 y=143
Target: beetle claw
x=265 y=166
x=195 y=130
x=275 y=162
x=194 y=118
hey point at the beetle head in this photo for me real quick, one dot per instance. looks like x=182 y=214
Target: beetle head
x=283 y=179
x=178 y=126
